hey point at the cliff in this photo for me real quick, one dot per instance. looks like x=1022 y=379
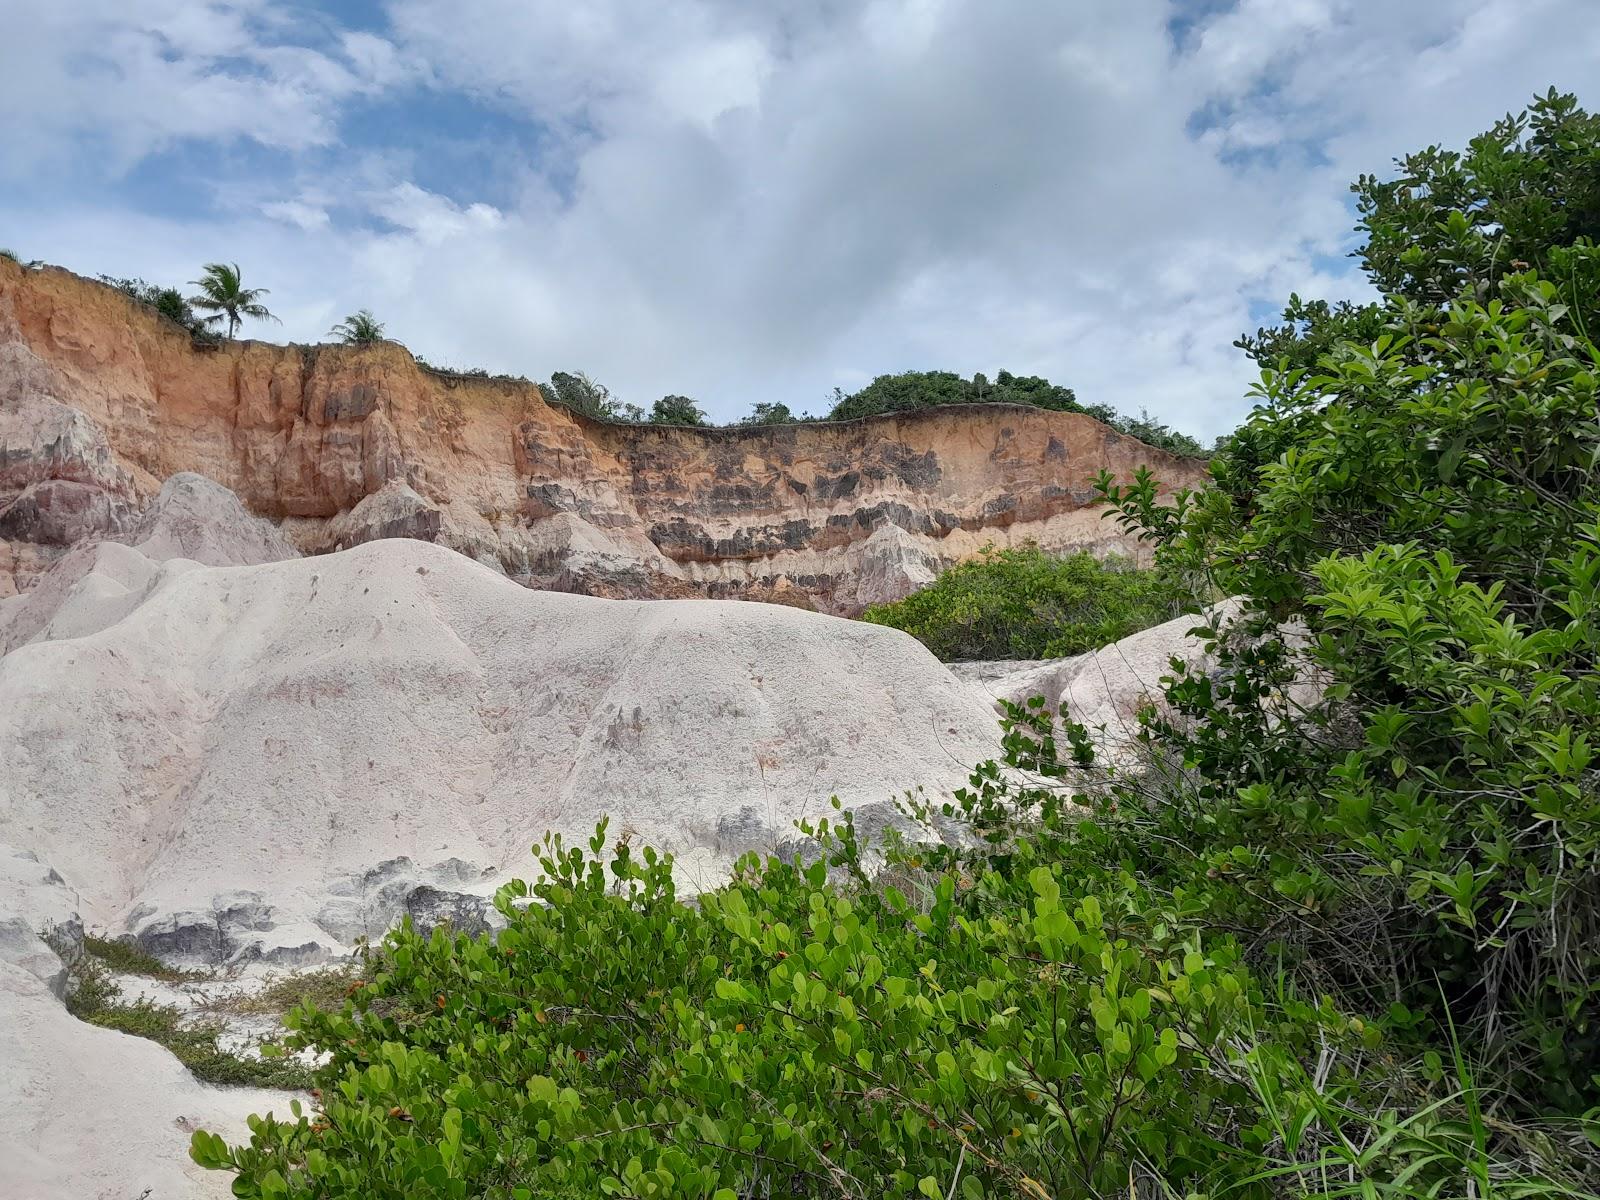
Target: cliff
x=101 y=400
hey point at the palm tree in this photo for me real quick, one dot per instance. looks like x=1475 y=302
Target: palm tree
x=223 y=295
x=358 y=329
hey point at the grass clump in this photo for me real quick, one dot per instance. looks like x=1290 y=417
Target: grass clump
x=126 y=958
x=326 y=987
x=196 y=1045
x=94 y=996
x=1024 y=603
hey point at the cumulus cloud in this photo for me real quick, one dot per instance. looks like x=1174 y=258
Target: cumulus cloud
x=760 y=202
x=121 y=80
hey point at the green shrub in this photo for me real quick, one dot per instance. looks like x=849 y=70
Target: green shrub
x=325 y=987
x=1016 y=1018
x=1009 y=1033
x=1427 y=505
x=913 y=391
x=1521 y=194
x=1023 y=603
x=677 y=410
x=577 y=391
x=168 y=301
x=767 y=413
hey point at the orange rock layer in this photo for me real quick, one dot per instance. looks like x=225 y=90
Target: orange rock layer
x=101 y=400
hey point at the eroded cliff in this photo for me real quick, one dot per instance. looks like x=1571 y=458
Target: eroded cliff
x=101 y=400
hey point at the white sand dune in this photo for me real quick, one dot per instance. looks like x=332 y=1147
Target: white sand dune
x=238 y=760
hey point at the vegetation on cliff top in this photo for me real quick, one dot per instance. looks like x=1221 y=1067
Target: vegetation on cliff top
x=911 y=391
x=915 y=391
x=1022 y=603
x=360 y=328
x=1339 y=940
x=223 y=295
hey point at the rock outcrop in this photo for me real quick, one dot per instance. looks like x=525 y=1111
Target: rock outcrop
x=101 y=400
x=234 y=753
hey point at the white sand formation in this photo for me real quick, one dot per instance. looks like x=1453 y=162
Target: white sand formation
x=1103 y=689
x=95 y=1113
x=192 y=521
x=286 y=756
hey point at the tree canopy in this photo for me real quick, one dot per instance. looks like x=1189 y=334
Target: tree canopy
x=676 y=410
x=914 y=391
x=223 y=295
x=1450 y=223
x=360 y=328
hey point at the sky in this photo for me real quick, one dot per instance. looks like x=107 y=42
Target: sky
x=746 y=202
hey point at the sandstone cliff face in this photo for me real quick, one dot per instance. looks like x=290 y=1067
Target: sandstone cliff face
x=101 y=400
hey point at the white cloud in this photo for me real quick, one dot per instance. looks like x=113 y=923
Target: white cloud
x=122 y=79
x=433 y=219
x=298 y=212
x=757 y=202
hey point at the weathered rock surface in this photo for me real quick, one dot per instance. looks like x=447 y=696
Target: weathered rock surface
x=273 y=759
x=342 y=445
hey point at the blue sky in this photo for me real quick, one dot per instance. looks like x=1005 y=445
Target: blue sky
x=751 y=203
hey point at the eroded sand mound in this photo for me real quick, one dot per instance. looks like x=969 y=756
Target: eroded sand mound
x=95 y=1113
x=281 y=758
x=192 y=521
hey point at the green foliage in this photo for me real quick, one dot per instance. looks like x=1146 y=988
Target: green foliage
x=764 y=413
x=325 y=987
x=1014 y=1017
x=9 y=255
x=1310 y=329
x=360 y=328
x=1427 y=506
x=583 y=395
x=1149 y=431
x=676 y=410
x=125 y=958
x=1023 y=603
x=1454 y=224
x=913 y=391
x=1006 y=1033
x=196 y=1046
x=168 y=301
x=224 y=296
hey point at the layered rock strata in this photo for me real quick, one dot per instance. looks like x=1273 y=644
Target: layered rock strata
x=101 y=400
